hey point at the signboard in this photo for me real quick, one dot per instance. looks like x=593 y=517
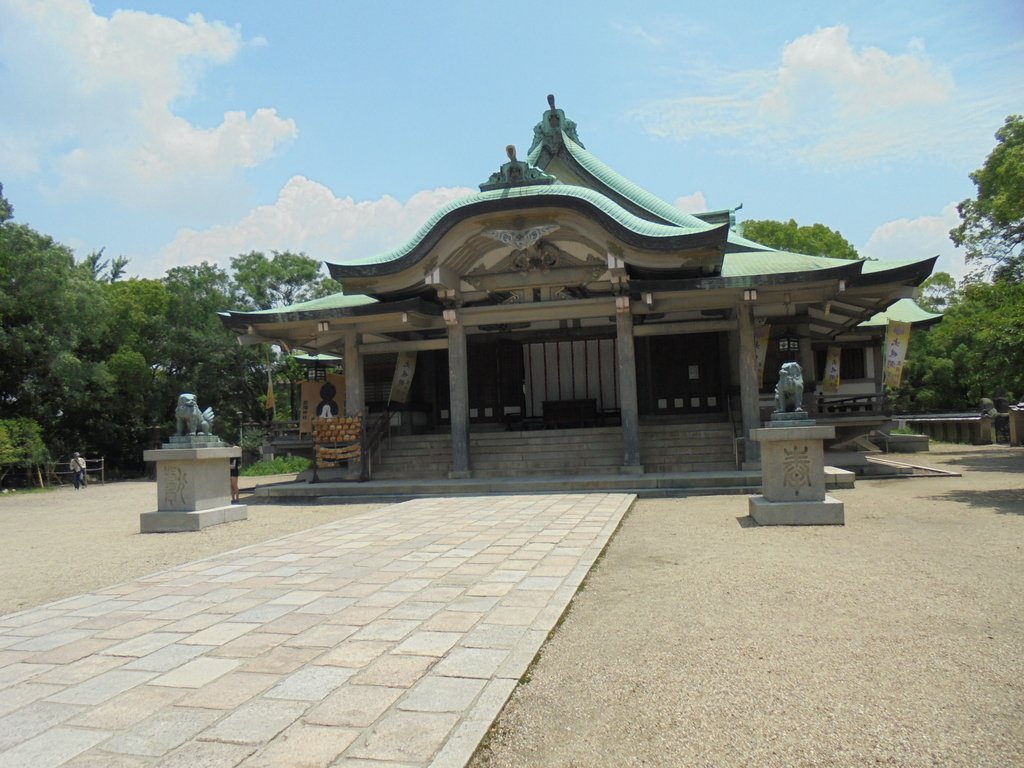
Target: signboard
x=320 y=398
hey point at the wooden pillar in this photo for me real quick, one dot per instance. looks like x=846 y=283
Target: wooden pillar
x=807 y=366
x=458 y=385
x=749 y=400
x=354 y=392
x=625 y=356
x=355 y=397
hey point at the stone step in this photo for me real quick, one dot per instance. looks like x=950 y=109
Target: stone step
x=676 y=448
x=645 y=486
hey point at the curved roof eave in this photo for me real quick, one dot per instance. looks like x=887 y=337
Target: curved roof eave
x=914 y=271
x=624 y=225
x=303 y=312
x=844 y=270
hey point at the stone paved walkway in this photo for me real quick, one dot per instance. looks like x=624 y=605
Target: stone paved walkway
x=387 y=640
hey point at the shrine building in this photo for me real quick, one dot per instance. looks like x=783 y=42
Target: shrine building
x=563 y=296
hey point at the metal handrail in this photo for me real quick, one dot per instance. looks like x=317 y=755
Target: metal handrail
x=376 y=432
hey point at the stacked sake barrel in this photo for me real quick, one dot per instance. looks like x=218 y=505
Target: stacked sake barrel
x=337 y=438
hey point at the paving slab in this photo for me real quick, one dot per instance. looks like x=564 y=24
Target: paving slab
x=392 y=638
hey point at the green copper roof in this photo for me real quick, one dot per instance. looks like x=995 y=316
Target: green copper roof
x=903 y=311
x=334 y=301
x=544 y=195
x=739 y=243
x=747 y=264
x=633 y=192
x=871 y=267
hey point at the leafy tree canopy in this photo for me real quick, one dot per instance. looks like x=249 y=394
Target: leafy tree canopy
x=6 y=211
x=285 y=278
x=976 y=350
x=938 y=292
x=813 y=240
x=992 y=226
x=21 y=444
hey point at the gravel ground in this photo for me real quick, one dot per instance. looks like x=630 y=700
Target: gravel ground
x=698 y=640
x=65 y=542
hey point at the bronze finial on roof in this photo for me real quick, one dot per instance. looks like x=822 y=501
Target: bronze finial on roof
x=551 y=126
x=516 y=173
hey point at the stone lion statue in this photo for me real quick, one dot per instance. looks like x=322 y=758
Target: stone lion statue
x=190 y=419
x=789 y=392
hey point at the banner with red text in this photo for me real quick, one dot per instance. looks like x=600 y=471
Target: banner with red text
x=897 y=338
x=830 y=380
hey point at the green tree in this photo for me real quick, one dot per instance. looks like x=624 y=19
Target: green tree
x=198 y=354
x=992 y=226
x=813 y=240
x=938 y=292
x=285 y=278
x=21 y=446
x=977 y=349
x=6 y=211
x=50 y=315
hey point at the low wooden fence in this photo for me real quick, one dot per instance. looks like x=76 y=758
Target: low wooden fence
x=59 y=473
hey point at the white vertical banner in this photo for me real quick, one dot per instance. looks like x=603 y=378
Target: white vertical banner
x=897 y=338
x=405 y=369
x=762 y=334
x=830 y=381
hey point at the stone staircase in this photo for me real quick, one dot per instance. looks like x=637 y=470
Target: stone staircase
x=664 y=448
x=690 y=459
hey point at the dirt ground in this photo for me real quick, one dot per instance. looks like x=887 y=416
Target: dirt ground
x=698 y=639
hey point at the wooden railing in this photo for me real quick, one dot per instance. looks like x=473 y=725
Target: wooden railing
x=376 y=434
x=93 y=468
x=869 y=403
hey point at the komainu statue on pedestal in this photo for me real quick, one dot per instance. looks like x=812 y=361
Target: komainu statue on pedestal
x=190 y=419
x=789 y=392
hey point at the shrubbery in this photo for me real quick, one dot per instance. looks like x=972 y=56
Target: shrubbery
x=282 y=465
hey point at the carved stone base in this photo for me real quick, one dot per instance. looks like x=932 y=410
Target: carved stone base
x=793 y=462
x=793 y=477
x=830 y=511
x=175 y=522
x=193 y=489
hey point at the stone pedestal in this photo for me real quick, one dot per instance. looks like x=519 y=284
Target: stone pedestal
x=193 y=486
x=793 y=476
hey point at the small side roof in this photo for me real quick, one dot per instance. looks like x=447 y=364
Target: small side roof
x=904 y=311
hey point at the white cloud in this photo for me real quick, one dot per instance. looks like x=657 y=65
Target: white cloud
x=917 y=239
x=695 y=203
x=638 y=32
x=826 y=104
x=308 y=217
x=89 y=104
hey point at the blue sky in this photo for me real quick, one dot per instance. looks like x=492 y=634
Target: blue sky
x=177 y=132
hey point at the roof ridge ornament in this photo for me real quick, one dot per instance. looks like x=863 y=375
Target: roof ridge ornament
x=516 y=173
x=551 y=127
